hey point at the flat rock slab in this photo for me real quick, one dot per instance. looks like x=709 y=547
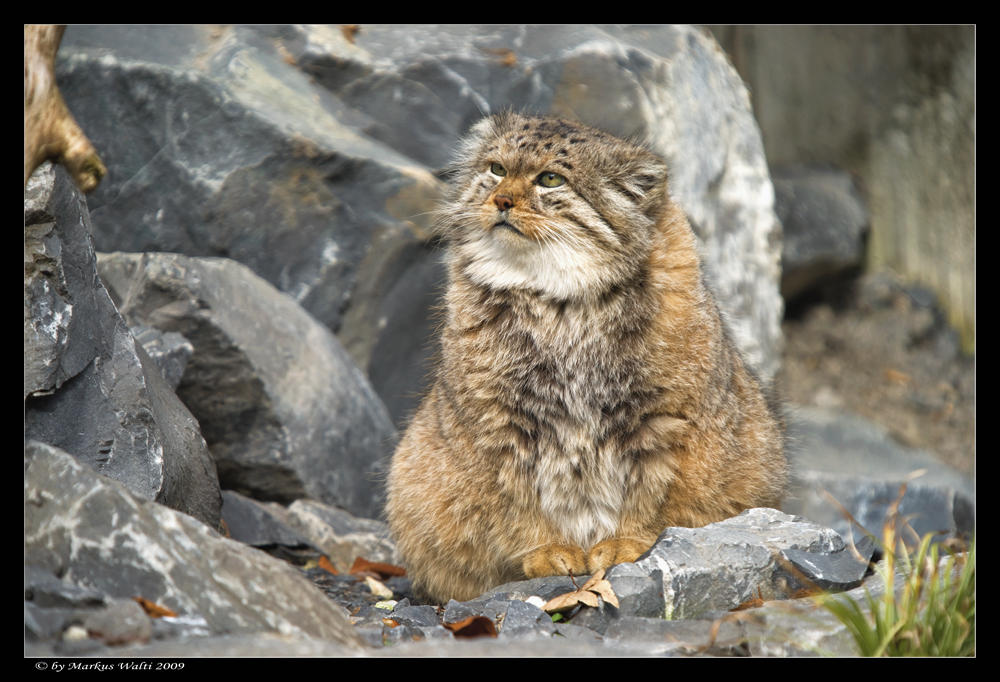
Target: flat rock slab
x=340 y=535
x=858 y=464
x=724 y=564
x=88 y=530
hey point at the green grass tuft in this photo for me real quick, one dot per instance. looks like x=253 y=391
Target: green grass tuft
x=934 y=614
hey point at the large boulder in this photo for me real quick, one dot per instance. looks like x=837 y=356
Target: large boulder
x=284 y=410
x=309 y=154
x=89 y=388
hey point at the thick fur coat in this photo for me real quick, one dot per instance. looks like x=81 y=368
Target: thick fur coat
x=587 y=395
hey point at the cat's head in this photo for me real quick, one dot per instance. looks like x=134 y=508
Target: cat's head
x=552 y=206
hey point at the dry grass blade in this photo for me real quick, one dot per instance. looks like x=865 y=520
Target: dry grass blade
x=934 y=612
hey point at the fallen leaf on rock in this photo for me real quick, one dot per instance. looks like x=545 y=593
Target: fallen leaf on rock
x=383 y=571
x=154 y=610
x=587 y=594
x=390 y=622
x=326 y=565
x=473 y=626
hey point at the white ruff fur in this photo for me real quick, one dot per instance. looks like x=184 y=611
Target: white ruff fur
x=556 y=269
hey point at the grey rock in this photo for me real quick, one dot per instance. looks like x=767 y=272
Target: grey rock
x=235 y=646
x=218 y=145
x=389 y=328
x=546 y=588
x=121 y=622
x=597 y=619
x=571 y=631
x=170 y=351
x=796 y=629
x=401 y=633
x=342 y=137
x=684 y=637
x=285 y=412
x=112 y=541
x=89 y=388
x=638 y=594
x=436 y=632
x=824 y=220
x=725 y=564
x=423 y=87
x=173 y=627
x=372 y=636
x=81 y=647
x=522 y=617
x=46 y=591
x=341 y=536
x=45 y=624
x=858 y=464
x=416 y=616
x=838 y=571
x=258 y=524
x=488 y=647
x=457 y=611
x=496 y=609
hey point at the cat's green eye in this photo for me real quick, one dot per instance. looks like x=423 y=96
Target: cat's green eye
x=497 y=169
x=550 y=179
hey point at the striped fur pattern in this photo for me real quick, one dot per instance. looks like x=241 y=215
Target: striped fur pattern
x=587 y=394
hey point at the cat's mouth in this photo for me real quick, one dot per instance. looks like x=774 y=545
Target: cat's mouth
x=504 y=225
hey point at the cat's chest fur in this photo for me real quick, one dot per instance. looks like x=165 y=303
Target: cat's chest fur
x=570 y=386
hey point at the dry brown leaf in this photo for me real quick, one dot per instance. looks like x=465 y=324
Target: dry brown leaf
x=154 y=610
x=603 y=588
x=383 y=571
x=473 y=626
x=326 y=565
x=585 y=595
x=390 y=622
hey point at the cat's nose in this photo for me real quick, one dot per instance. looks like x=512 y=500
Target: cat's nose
x=503 y=202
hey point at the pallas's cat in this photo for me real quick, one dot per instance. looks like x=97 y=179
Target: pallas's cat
x=587 y=395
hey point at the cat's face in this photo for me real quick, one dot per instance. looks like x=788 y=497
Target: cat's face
x=553 y=207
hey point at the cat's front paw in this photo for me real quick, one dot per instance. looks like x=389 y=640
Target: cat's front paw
x=554 y=559
x=615 y=551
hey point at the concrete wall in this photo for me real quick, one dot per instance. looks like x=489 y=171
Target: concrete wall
x=894 y=105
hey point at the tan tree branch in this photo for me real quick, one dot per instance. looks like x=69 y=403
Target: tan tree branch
x=50 y=131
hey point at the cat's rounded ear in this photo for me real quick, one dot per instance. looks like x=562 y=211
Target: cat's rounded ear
x=645 y=180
